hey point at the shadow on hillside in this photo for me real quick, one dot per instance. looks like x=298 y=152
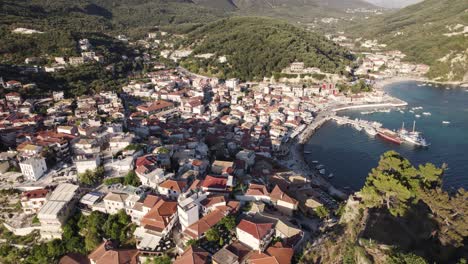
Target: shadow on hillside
x=416 y=232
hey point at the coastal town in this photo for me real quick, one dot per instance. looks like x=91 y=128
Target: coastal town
x=205 y=170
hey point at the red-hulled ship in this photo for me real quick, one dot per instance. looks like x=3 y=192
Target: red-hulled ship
x=389 y=135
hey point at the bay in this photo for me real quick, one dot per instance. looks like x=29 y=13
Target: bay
x=350 y=154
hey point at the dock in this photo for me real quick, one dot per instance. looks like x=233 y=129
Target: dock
x=368 y=126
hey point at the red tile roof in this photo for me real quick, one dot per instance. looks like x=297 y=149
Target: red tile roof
x=257 y=189
x=274 y=254
x=278 y=194
x=177 y=186
x=34 y=194
x=258 y=231
x=193 y=255
x=103 y=255
x=151 y=200
x=197 y=229
x=214 y=182
x=159 y=216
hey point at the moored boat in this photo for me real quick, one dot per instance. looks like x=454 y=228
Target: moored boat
x=389 y=135
x=412 y=137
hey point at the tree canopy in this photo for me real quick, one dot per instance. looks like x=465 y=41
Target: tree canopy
x=258 y=47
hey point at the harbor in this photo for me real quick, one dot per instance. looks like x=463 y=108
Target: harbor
x=350 y=154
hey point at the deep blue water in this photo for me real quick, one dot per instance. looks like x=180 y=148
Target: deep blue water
x=350 y=154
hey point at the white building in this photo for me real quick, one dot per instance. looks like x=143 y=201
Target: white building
x=232 y=83
x=188 y=209
x=56 y=210
x=256 y=236
x=33 y=168
x=32 y=201
x=87 y=162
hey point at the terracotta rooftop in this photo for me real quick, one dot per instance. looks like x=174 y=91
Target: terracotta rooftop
x=198 y=228
x=105 y=255
x=257 y=189
x=258 y=231
x=214 y=182
x=177 y=186
x=151 y=200
x=160 y=215
x=193 y=255
x=274 y=254
x=34 y=194
x=278 y=194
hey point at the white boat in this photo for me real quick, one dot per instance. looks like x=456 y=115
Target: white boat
x=417 y=116
x=411 y=111
x=320 y=166
x=315 y=161
x=370 y=131
x=330 y=175
x=426 y=113
x=322 y=171
x=445 y=122
x=401 y=111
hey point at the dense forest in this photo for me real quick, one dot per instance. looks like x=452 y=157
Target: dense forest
x=402 y=215
x=258 y=47
x=427 y=32
x=64 y=22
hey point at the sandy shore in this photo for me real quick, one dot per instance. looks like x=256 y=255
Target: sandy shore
x=380 y=84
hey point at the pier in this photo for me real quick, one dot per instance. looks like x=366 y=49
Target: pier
x=369 y=127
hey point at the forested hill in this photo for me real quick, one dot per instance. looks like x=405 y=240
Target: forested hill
x=64 y=22
x=434 y=32
x=258 y=47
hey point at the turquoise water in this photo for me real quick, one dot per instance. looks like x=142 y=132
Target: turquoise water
x=350 y=154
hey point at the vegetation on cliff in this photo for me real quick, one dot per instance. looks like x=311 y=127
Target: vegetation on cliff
x=401 y=215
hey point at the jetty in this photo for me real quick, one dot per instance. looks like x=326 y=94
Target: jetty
x=368 y=126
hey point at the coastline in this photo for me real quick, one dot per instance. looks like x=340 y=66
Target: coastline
x=295 y=159
x=380 y=84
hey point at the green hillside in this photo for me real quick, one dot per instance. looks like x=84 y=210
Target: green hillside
x=418 y=30
x=64 y=22
x=257 y=47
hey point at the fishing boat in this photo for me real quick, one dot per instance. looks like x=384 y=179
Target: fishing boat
x=426 y=113
x=445 y=122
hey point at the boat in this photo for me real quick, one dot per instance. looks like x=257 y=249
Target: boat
x=401 y=111
x=330 y=175
x=322 y=171
x=445 y=122
x=417 y=116
x=411 y=111
x=320 y=166
x=307 y=152
x=371 y=131
x=426 y=113
x=315 y=162
x=389 y=135
x=412 y=137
